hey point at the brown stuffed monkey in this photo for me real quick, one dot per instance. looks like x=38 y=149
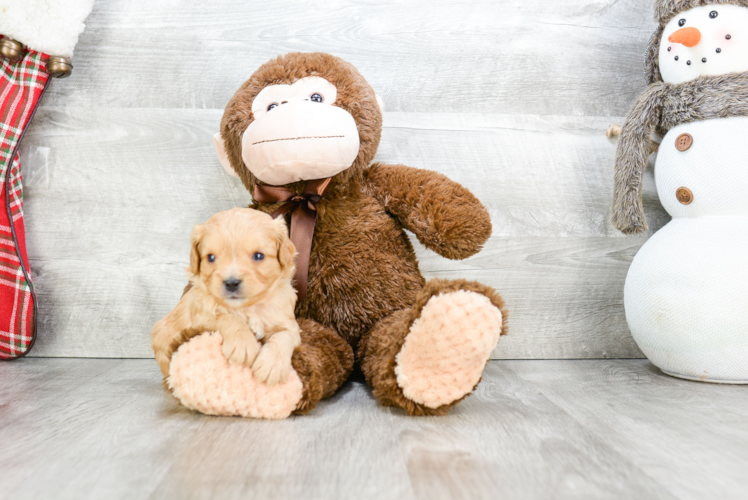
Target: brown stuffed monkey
x=302 y=119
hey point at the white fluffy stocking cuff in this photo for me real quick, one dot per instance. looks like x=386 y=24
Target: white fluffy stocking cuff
x=49 y=26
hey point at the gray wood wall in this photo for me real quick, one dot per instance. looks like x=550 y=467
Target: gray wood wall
x=508 y=97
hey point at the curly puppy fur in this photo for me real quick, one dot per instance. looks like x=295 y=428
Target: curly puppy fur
x=663 y=106
x=262 y=306
x=363 y=269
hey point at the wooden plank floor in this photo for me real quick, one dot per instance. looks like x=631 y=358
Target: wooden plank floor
x=73 y=428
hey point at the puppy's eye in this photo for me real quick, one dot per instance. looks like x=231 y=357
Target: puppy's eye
x=211 y=257
x=258 y=256
x=681 y=22
x=316 y=97
x=274 y=105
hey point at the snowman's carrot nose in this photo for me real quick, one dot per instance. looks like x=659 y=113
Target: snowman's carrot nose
x=687 y=36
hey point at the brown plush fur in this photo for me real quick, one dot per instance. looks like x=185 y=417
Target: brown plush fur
x=363 y=268
x=323 y=362
x=354 y=95
x=379 y=348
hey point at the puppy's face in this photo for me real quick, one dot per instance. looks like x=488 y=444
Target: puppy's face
x=239 y=254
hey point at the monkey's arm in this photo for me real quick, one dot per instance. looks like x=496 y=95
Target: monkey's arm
x=444 y=216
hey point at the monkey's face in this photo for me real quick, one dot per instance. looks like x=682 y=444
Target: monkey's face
x=297 y=134
x=299 y=117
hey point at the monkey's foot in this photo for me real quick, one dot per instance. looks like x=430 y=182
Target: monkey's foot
x=202 y=379
x=447 y=347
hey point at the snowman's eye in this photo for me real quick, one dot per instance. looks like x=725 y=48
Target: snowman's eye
x=681 y=22
x=274 y=105
x=713 y=14
x=316 y=97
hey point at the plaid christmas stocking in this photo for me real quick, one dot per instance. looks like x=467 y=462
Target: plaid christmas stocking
x=22 y=84
x=29 y=31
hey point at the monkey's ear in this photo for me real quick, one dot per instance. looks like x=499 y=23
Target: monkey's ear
x=380 y=103
x=195 y=257
x=222 y=156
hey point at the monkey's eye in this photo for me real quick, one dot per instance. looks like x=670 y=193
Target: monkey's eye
x=274 y=105
x=713 y=14
x=258 y=256
x=682 y=22
x=211 y=257
x=316 y=97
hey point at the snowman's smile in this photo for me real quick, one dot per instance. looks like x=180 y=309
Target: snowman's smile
x=707 y=40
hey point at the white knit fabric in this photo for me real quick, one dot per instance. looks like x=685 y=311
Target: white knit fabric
x=679 y=63
x=686 y=293
x=49 y=26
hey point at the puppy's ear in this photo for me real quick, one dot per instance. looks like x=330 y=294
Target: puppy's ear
x=195 y=257
x=286 y=248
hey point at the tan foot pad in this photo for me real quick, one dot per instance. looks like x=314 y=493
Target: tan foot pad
x=202 y=379
x=447 y=348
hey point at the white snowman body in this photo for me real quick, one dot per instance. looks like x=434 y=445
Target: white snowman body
x=686 y=293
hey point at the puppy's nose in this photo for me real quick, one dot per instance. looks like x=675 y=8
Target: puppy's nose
x=232 y=284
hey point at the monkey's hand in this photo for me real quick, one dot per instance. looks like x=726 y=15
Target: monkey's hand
x=444 y=216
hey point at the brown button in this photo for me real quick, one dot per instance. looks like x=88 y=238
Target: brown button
x=684 y=195
x=683 y=142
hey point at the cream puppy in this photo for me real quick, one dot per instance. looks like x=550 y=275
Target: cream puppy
x=241 y=271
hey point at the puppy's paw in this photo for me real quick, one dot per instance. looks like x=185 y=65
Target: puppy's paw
x=271 y=366
x=240 y=350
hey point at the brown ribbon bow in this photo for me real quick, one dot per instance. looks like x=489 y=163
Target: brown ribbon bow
x=303 y=208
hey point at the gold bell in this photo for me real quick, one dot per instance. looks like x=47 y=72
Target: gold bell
x=10 y=49
x=59 y=67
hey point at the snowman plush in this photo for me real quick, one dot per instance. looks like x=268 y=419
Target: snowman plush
x=686 y=293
